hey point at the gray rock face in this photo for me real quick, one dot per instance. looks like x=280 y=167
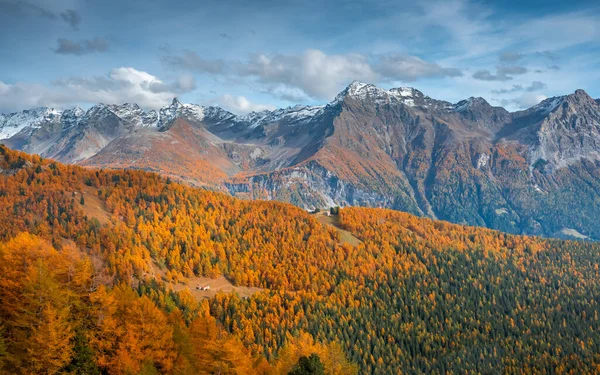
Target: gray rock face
x=534 y=171
x=569 y=132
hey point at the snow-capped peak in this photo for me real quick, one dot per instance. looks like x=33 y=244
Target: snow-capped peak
x=129 y=113
x=366 y=91
x=190 y=111
x=577 y=99
x=76 y=111
x=12 y=123
x=176 y=103
x=406 y=91
x=472 y=102
x=71 y=117
x=296 y=114
x=548 y=105
x=132 y=115
x=360 y=90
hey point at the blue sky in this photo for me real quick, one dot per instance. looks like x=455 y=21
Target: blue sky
x=252 y=55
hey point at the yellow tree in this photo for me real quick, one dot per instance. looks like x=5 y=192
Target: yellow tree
x=131 y=333
x=36 y=306
x=332 y=356
x=216 y=352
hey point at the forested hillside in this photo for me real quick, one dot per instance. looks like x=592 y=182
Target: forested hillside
x=81 y=292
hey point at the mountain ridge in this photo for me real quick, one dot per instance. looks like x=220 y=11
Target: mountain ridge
x=467 y=162
x=356 y=89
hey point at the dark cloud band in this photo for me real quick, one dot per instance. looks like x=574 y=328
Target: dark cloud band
x=81 y=47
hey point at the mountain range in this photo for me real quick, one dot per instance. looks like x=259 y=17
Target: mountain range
x=535 y=171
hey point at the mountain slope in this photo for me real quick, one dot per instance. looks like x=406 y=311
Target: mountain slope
x=472 y=164
x=414 y=295
x=182 y=150
x=532 y=171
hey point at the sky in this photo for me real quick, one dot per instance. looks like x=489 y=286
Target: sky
x=254 y=55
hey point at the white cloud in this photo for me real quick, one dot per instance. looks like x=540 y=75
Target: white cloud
x=313 y=73
x=121 y=85
x=240 y=105
x=184 y=83
x=524 y=101
x=281 y=91
x=21 y=96
x=410 y=68
x=317 y=74
x=4 y=88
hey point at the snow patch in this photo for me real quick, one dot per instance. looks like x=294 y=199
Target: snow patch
x=296 y=115
x=13 y=123
x=548 y=105
x=256 y=153
x=482 y=161
x=177 y=109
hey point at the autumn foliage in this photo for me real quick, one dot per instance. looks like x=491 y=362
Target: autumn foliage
x=80 y=296
x=84 y=285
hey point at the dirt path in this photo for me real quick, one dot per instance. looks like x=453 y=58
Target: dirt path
x=334 y=221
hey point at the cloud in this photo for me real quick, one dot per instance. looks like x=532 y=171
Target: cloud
x=183 y=84
x=120 y=85
x=72 y=18
x=317 y=74
x=25 y=8
x=510 y=56
x=190 y=60
x=313 y=73
x=554 y=67
x=486 y=75
x=241 y=105
x=81 y=47
x=535 y=86
x=21 y=96
x=523 y=101
x=410 y=68
x=511 y=70
x=514 y=88
x=503 y=73
x=283 y=92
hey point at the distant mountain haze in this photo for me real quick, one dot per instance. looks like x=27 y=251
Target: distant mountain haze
x=535 y=171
